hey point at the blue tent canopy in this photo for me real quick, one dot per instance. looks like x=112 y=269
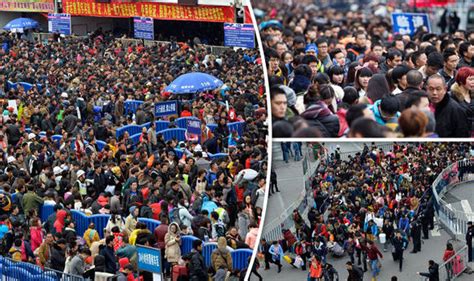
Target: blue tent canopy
x=21 y=24
x=194 y=82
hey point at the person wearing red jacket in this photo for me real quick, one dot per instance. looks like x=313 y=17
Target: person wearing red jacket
x=373 y=254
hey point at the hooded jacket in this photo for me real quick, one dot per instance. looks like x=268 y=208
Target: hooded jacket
x=221 y=257
x=59 y=223
x=172 y=247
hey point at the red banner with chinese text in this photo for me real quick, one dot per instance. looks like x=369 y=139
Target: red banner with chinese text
x=430 y=3
x=154 y=10
x=27 y=5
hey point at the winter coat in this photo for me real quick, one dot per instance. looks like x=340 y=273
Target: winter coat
x=251 y=238
x=221 y=257
x=76 y=266
x=59 y=222
x=110 y=260
x=197 y=267
x=58 y=258
x=160 y=233
x=172 y=248
x=318 y=115
x=451 y=119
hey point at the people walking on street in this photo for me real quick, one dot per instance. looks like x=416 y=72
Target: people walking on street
x=399 y=243
x=277 y=254
x=355 y=272
x=433 y=271
x=469 y=235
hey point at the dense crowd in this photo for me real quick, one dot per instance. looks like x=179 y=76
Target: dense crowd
x=218 y=200
x=374 y=196
x=346 y=74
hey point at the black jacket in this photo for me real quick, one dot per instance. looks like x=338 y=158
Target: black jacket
x=110 y=260
x=319 y=116
x=451 y=119
x=356 y=274
x=58 y=258
x=433 y=273
x=197 y=268
x=403 y=96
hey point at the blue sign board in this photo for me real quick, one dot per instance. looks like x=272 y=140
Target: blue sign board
x=59 y=23
x=166 y=108
x=408 y=23
x=149 y=259
x=193 y=126
x=143 y=28
x=239 y=35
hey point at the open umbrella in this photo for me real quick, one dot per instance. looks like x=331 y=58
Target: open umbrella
x=194 y=82
x=21 y=24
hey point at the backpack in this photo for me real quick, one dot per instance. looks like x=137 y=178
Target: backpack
x=174 y=216
x=254 y=196
x=220 y=229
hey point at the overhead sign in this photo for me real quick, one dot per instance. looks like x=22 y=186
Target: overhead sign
x=143 y=28
x=408 y=23
x=166 y=108
x=59 y=23
x=149 y=259
x=162 y=11
x=193 y=126
x=27 y=5
x=239 y=35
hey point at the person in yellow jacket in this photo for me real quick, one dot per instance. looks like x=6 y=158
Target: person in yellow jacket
x=91 y=235
x=139 y=229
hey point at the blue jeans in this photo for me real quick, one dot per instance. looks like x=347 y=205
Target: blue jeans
x=297 y=149
x=375 y=267
x=285 y=148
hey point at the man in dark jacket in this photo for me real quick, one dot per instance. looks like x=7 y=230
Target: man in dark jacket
x=451 y=119
x=415 y=233
x=414 y=84
x=399 y=244
x=108 y=252
x=58 y=255
x=197 y=267
x=355 y=272
x=433 y=273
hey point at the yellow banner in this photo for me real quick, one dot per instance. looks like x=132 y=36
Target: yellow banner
x=27 y=5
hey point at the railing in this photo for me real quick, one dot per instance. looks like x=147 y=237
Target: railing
x=454 y=266
x=454 y=221
x=15 y=271
x=273 y=230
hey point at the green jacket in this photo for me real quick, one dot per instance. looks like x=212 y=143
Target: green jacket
x=31 y=200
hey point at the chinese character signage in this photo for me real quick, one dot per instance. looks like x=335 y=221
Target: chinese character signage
x=166 y=108
x=239 y=35
x=60 y=23
x=408 y=23
x=162 y=11
x=149 y=259
x=143 y=28
x=27 y=5
x=193 y=126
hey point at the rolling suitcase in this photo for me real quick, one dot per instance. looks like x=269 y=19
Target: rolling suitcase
x=180 y=273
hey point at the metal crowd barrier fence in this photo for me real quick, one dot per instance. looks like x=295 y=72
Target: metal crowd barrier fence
x=454 y=266
x=273 y=230
x=15 y=271
x=453 y=221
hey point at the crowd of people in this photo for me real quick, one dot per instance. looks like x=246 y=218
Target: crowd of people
x=375 y=197
x=347 y=74
x=216 y=200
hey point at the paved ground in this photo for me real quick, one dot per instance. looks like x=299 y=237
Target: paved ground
x=290 y=182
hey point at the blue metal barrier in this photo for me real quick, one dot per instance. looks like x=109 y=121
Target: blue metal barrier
x=57 y=139
x=131 y=106
x=100 y=145
x=26 y=86
x=187 y=243
x=237 y=126
x=131 y=129
x=217 y=155
x=207 y=249
x=100 y=222
x=46 y=211
x=151 y=224
x=11 y=85
x=182 y=122
x=135 y=138
x=161 y=125
x=175 y=133
x=240 y=258
x=212 y=127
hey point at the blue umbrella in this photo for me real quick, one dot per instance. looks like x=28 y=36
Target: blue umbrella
x=20 y=24
x=194 y=82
